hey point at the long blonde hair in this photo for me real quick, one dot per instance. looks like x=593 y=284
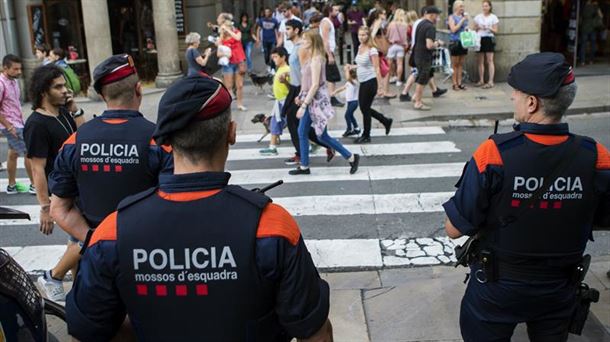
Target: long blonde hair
x=317 y=44
x=400 y=16
x=412 y=17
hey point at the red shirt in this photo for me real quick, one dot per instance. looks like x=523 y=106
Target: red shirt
x=237 y=50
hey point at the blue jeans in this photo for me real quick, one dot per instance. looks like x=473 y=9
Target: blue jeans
x=248 y=51
x=582 y=45
x=350 y=120
x=304 y=127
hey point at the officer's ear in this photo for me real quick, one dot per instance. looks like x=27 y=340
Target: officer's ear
x=232 y=134
x=533 y=104
x=138 y=89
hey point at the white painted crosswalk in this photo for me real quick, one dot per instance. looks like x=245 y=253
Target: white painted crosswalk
x=368 y=250
x=377 y=132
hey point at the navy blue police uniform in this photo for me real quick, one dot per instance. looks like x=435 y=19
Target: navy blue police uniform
x=535 y=246
x=111 y=156
x=196 y=258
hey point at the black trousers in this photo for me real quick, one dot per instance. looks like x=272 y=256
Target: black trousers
x=366 y=96
x=290 y=112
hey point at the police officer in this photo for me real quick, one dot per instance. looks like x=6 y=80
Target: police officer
x=196 y=258
x=107 y=159
x=530 y=241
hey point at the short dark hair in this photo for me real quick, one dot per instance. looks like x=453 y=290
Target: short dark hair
x=201 y=140
x=280 y=51
x=41 y=81
x=9 y=60
x=59 y=52
x=44 y=47
x=296 y=25
x=316 y=18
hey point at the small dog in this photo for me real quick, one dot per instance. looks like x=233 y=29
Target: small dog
x=266 y=121
x=260 y=81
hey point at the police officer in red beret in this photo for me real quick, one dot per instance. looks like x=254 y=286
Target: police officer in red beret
x=196 y=258
x=107 y=159
x=531 y=198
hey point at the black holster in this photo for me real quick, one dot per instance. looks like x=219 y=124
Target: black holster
x=584 y=297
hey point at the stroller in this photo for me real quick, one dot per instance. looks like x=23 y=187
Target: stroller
x=441 y=61
x=23 y=309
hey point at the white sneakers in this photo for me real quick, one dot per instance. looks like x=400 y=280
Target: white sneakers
x=53 y=289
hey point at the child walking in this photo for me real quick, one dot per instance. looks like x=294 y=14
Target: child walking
x=280 y=92
x=351 y=97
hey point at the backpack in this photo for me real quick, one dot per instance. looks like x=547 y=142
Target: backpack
x=72 y=80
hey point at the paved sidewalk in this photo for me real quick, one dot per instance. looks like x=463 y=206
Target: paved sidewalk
x=472 y=104
x=421 y=304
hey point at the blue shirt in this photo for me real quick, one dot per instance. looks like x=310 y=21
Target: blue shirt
x=455 y=36
x=268 y=26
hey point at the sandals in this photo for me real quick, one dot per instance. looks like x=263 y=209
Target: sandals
x=462 y=87
x=423 y=107
x=455 y=87
x=488 y=86
x=479 y=84
x=458 y=87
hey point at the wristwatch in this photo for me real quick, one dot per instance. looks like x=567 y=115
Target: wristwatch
x=78 y=113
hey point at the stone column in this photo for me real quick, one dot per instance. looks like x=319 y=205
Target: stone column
x=26 y=50
x=97 y=36
x=518 y=33
x=164 y=13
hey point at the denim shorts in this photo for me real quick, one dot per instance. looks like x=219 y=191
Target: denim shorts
x=15 y=143
x=230 y=69
x=276 y=127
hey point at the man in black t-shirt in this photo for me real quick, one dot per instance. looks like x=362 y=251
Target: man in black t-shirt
x=44 y=133
x=425 y=42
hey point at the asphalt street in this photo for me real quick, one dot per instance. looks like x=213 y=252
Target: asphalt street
x=332 y=208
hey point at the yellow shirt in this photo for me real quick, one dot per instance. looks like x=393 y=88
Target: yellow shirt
x=280 y=90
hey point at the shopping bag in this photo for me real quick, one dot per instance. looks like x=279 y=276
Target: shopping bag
x=468 y=39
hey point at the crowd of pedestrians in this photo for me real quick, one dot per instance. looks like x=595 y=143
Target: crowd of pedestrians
x=390 y=45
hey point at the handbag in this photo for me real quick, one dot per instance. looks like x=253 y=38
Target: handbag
x=384 y=67
x=469 y=39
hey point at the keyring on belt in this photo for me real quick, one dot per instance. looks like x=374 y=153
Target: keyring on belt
x=477 y=276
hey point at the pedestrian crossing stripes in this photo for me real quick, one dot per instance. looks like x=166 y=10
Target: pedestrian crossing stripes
x=332 y=254
x=424 y=202
x=329 y=174
x=376 y=132
x=418 y=156
x=368 y=150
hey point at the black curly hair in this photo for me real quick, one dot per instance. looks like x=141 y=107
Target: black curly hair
x=41 y=82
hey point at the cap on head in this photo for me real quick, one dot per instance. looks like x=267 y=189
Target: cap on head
x=432 y=10
x=111 y=70
x=541 y=74
x=194 y=98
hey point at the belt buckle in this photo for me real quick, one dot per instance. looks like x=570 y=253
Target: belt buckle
x=481 y=276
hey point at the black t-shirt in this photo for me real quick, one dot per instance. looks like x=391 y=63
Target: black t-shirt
x=425 y=30
x=44 y=135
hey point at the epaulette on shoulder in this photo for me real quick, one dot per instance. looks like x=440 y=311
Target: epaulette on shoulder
x=507 y=140
x=255 y=198
x=127 y=201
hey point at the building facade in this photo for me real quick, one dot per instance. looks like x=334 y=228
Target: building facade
x=153 y=31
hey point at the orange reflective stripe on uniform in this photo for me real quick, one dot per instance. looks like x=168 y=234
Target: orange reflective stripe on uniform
x=487 y=154
x=603 y=158
x=547 y=139
x=115 y=121
x=106 y=231
x=187 y=196
x=70 y=141
x=277 y=222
